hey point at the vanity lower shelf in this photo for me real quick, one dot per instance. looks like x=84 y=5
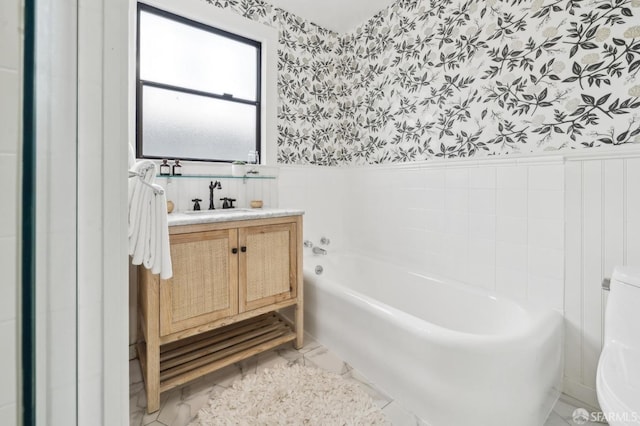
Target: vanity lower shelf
x=187 y=359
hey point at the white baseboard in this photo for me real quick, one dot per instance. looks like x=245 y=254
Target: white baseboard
x=581 y=393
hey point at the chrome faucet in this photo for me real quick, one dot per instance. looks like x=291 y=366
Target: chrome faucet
x=318 y=250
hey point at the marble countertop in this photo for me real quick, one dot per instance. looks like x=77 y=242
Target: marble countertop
x=228 y=215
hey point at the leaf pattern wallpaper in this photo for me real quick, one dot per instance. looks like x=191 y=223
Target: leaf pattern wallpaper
x=427 y=79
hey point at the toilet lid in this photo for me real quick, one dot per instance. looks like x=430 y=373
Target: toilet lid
x=627 y=274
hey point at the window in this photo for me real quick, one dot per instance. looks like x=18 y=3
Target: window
x=198 y=90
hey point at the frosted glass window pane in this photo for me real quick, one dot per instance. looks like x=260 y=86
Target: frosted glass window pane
x=181 y=125
x=182 y=55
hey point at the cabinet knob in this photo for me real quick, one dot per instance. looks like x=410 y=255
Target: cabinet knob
x=243 y=249
x=234 y=250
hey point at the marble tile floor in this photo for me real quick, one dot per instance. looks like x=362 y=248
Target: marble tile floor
x=179 y=406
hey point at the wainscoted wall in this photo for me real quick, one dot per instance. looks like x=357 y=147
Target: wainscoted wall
x=497 y=224
x=456 y=78
x=602 y=230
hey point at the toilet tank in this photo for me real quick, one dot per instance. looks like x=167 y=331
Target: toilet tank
x=622 y=315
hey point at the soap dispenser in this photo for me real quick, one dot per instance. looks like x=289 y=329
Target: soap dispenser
x=165 y=168
x=177 y=169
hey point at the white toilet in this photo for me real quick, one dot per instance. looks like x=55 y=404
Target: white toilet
x=618 y=377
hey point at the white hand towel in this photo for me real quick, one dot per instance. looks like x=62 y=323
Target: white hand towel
x=139 y=241
x=148 y=229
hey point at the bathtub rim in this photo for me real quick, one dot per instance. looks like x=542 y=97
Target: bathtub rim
x=538 y=321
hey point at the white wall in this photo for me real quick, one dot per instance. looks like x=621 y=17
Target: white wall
x=10 y=154
x=541 y=229
x=102 y=175
x=56 y=212
x=90 y=212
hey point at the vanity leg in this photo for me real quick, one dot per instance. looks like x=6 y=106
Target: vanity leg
x=150 y=314
x=153 y=378
x=299 y=326
x=299 y=314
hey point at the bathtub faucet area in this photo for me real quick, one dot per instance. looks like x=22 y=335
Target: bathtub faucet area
x=315 y=249
x=318 y=250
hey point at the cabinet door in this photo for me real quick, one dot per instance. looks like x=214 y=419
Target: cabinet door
x=204 y=286
x=268 y=265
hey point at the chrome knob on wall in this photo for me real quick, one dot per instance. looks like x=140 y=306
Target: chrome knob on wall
x=325 y=241
x=308 y=244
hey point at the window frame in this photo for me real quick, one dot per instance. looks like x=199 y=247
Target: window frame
x=140 y=84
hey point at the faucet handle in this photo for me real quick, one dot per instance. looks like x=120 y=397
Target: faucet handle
x=325 y=241
x=227 y=202
x=196 y=203
x=308 y=244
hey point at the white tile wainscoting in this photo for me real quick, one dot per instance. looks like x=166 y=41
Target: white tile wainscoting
x=545 y=229
x=321 y=192
x=498 y=224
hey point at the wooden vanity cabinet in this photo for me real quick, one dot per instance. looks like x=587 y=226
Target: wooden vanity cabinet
x=229 y=279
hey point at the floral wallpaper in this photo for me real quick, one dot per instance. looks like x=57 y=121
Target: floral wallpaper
x=456 y=78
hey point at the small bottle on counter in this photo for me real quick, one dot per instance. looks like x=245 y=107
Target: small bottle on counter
x=177 y=169
x=165 y=168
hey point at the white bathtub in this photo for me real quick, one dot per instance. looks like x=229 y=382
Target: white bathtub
x=452 y=354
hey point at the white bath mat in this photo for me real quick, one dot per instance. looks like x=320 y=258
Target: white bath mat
x=291 y=395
